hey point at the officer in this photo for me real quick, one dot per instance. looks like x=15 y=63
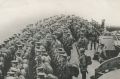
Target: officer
x=19 y=57
x=83 y=64
x=37 y=44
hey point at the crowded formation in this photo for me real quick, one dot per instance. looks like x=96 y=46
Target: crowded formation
x=43 y=50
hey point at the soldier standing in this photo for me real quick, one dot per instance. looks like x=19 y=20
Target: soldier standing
x=93 y=40
x=83 y=64
x=82 y=42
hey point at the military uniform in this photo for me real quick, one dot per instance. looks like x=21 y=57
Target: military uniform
x=83 y=64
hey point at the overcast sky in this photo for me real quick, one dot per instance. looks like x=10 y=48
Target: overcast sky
x=15 y=14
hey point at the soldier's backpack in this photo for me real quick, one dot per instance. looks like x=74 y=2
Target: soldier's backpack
x=88 y=60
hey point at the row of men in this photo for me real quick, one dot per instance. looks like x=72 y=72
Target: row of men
x=54 y=33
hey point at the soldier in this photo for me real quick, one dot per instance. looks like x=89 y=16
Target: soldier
x=94 y=39
x=40 y=50
x=4 y=49
x=43 y=50
x=18 y=57
x=82 y=42
x=6 y=42
x=62 y=54
x=103 y=55
x=49 y=38
x=56 y=43
x=83 y=64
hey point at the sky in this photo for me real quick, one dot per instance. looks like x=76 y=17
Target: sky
x=16 y=14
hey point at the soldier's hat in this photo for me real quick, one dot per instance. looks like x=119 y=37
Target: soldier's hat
x=42 y=48
x=74 y=65
x=39 y=68
x=82 y=50
x=10 y=73
x=101 y=44
x=20 y=45
x=37 y=42
x=64 y=55
x=6 y=41
x=81 y=33
x=51 y=76
x=41 y=74
x=25 y=38
x=45 y=53
x=18 y=52
x=38 y=50
x=14 y=61
x=28 y=33
x=60 y=50
x=10 y=38
x=3 y=44
x=13 y=69
x=13 y=37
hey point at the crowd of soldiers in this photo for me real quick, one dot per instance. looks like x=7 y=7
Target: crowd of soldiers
x=43 y=50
